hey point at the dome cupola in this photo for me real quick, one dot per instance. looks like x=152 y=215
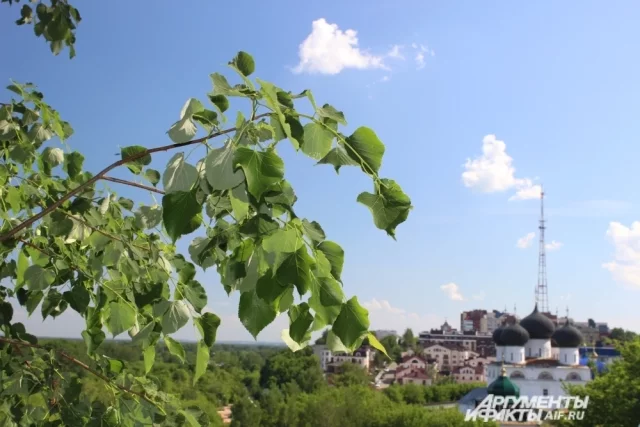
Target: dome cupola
x=538 y=325
x=503 y=386
x=514 y=336
x=568 y=336
x=496 y=336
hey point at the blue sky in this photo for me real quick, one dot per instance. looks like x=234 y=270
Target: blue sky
x=556 y=84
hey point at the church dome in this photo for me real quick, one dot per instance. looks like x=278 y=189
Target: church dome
x=497 y=336
x=568 y=336
x=514 y=336
x=538 y=325
x=554 y=343
x=502 y=386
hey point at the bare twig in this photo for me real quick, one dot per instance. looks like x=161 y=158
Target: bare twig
x=133 y=184
x=104 y=171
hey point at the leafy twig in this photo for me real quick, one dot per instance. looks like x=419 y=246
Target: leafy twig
x=103 y=172
x=84 y=366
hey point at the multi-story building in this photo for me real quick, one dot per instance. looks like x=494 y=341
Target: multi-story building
x=470 y=321
x=469 y=374
x=330 y=360
x=447 y=355
x=481 y=344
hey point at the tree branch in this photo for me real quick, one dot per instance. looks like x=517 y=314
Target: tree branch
x=83 y=365
x=133 y=184
x=104 y=171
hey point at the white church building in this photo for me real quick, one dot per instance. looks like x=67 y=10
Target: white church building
x=537 y=357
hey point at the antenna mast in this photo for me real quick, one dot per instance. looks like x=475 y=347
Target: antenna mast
x=542 y=296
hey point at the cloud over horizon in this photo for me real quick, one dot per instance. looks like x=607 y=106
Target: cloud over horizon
x=453 y=291
x=625 y=267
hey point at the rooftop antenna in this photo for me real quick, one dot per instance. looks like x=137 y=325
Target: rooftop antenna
x=542 y=296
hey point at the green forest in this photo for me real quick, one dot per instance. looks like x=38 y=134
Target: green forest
x=268 y=386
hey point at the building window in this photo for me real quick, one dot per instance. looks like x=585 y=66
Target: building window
x=545 y=392
x=511 y=356
x=565 y=358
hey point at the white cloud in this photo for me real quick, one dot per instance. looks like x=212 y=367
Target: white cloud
x=383 y=315
x=396 y=52
x=420 y=62
x=329 y=50
x=553 y=245
x=525 y=242
x=453 y=291
x=625 y=268
x=493 y=172
x=385 y=79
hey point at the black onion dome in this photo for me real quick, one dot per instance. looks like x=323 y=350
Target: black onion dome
x=514 y=336
x=539 y=326
x=497 y=336
x=554 y=343
x=568 y=336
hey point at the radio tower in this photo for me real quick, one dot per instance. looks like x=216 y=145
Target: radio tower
x=542 y=296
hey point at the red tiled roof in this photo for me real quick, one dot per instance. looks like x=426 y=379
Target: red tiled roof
x=447 y=345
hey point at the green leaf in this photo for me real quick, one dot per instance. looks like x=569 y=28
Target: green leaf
x=202 y=361
x=78 y=298
x=239 y=203
x=261 y=169
x=286 y=300
x=364 y=147
x=149 y=358
x=185 y=129
x=207 y=118
x=390 y=206
x=329 y=290
x=195 y=294
x=148 y=216
x=179 y=210
x=220 y=101
x=337 y=157
x=373 y=341
x=220 y=168
x=190 y=418
x=352 y=323
x=283 y=240
x=116 y=365
x=244 y=63
x=175 y=317
x=222 y=87
x=179 y=175
x=139 y=162
x=270 y=289
x=328 y=112
x=295 y=269
x=335 y=345
x=73 y=164
x=317 y=140
x=33 y=300
x=335 y=256
x=153 y=176
x=300 y=326
x=175 y=348
x=208 y=325
x=37 y=278
x=92 y=339
x=293 y=346
x=122 y=317
x=313 y=231
x=52 y=156
x=255 y=313
x=22 y=266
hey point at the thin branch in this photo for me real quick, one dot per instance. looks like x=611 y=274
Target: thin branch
x=83 y=365
x=104 y=171
x=133 y=184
